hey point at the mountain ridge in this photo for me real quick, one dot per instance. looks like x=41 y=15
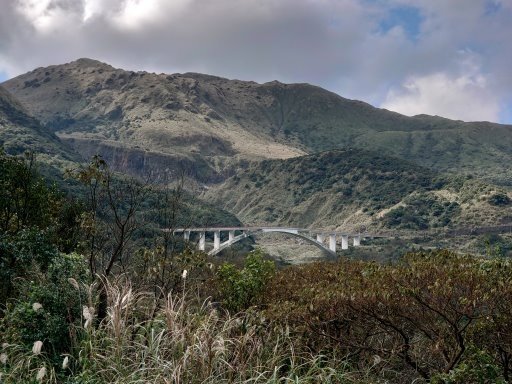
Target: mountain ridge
x=223 y=123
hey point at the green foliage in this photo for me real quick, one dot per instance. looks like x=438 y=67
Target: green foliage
x=385 y=179
x=56 y=295
x=478 y=367
x=421 y=211
x=494 y=245
x=21 y=255
x=35 y=222
x=241 y=288
x=47 y=308
x=25 y=199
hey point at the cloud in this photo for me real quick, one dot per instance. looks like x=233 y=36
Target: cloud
x=461 y=98
x=375 y=50
x=464 y=93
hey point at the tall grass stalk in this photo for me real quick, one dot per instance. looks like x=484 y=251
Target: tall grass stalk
x=189 y=341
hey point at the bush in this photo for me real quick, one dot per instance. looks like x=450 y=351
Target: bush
x=478 y=368
x=499 y=199
x=420 y=315
x=240 y=288
x=35 y=221
x=47 y=306
x=22 y=255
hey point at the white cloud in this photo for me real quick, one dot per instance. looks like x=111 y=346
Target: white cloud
x=137 y=14
x=466 y=97
x=48 y=16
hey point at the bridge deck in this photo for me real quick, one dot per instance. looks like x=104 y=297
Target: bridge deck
x=276 y=229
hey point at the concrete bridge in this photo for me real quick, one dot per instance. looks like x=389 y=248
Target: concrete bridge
x=317 y=237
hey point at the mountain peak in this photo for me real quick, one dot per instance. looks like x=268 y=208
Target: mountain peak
x=85 y=62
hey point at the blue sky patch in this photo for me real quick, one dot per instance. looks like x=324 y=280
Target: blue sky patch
x=506 y=113
x=409 y=18
x=492 y=7
x=3 y=77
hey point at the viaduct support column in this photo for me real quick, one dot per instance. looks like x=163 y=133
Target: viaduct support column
x=216 y=240
x=344 y=241
x=332 y=242
x=320 y=237
x=186 y=235
x=202 y=240
x=231 y=236
x=357 y=240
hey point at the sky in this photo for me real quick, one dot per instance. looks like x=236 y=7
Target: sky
x=451 y=58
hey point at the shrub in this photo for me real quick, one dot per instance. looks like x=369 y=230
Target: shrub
x=419 y=315
x=240 y=288
x=47 y=306
x=499 y=199
x=477 y=368
x=22 y=255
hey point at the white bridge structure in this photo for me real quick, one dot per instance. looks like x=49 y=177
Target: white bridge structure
x=317 y=237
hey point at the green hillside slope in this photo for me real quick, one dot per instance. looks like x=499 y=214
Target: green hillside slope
x=20 y=132
x=352 y=188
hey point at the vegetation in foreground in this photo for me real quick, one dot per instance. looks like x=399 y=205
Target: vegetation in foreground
x=73 y=311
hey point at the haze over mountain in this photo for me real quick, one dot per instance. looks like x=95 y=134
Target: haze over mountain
x=207 y=125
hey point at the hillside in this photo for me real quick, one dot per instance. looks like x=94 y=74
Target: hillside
x=209 y=124
x=353 y=188
x=20 y=132
x=120 y=114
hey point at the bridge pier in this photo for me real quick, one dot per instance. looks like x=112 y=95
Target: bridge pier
x=332 y=242
x=186 y=235
x=216 y=240
x=231 y=236
x=357 y=240
x=202 y=240
x=344 y=241
x=320 y=237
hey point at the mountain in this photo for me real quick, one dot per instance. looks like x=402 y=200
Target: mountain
x=352 y=188
x=210 y=127
x=163 y=121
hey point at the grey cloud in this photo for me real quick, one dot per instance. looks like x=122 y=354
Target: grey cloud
x=332 y=43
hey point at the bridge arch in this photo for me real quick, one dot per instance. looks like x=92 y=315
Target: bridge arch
x=301 y=233
x=292 y=232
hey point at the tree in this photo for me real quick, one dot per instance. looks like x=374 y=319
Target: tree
x=36 y=222
x=114 y=215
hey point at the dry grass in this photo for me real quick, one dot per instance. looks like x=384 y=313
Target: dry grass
x=187 y=341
